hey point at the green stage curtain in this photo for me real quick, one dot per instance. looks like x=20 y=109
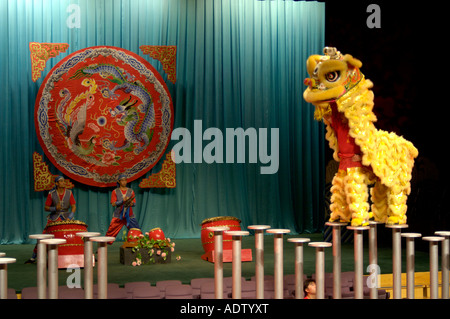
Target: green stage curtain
x=240 y=64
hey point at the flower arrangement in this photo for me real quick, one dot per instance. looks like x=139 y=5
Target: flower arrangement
x=156 y=248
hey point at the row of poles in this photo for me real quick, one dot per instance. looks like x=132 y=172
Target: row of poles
x=46 y=244
x=441 y=236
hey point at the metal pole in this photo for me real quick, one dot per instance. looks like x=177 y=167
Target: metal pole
x=359 y=257
x=52 y=245
x=373 y=255
x=397 y=259
x=102 y=270
x=434 y=283
x=237 y=261
x=218 y=259
x=445 y=262
x=320 y=267
x=410 y=282
x=337 y=293
x=4 y=276
x=278 y=260
x=41 y=264
x=88 y=263
x=299 y=265
x=259 y=251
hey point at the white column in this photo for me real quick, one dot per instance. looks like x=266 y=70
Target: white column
x=359 y=257
x=337 y=294
x=102 y=270
x=4 y=261
x=299 y=265
x=278 y=260
x=52 y=245
x=410 y=282
x=373 y=255
x=237 y=261
x=320 y=267
x=445 y=262
x=41 y=264
x=218 y=259
x=88 y=263
x=434 y=264
x=259 y=258
x=397 y=259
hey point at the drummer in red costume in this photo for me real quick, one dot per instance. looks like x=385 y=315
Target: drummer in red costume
x=123 y=200
x=60 y=203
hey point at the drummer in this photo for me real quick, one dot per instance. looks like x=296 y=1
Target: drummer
x=123 y=200
x=61 y=204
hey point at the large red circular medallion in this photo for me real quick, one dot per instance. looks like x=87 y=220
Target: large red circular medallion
x=101 y=112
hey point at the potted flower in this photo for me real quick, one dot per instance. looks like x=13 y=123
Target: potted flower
x=150 y=250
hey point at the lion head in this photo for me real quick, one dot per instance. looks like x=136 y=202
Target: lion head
x=331 y=76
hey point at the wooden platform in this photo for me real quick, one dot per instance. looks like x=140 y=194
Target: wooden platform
x=421 y=284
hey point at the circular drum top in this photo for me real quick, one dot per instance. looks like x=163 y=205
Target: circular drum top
x=299 y=240
x=433 y=238
x=66 y=222
x=218 y=228
x=220 y=218
x=88 y=234
x=319 y=244
x=258 y=227
x=278 y=231
x=41 y=236
x=6 y=260
x=237 y=233
x=53 y=241
x=103 y=239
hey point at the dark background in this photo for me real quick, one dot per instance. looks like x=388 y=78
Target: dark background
x=406 y=59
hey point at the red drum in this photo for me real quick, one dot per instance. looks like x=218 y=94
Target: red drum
x=156 y=233
x=133 y=235
x=67 y=230
x=208 y=236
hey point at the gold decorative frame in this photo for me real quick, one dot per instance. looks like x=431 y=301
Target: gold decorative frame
x=167 y=55
x=166 y=178
x=41 y=53
x=43 y=179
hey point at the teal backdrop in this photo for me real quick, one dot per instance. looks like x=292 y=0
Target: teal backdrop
x=240 y=64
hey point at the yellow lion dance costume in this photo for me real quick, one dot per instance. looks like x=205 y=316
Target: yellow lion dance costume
x=343 y=99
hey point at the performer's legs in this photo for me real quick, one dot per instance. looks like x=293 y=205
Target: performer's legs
x=357 y=195
x=133 y=223
x=379 y=195
x=115 y=227
x=397 y=207
x=339 y=208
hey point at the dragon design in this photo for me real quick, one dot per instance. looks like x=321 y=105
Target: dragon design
x=136 y=131
x=343 y=100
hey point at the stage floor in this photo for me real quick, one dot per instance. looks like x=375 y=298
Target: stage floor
x=191 y=265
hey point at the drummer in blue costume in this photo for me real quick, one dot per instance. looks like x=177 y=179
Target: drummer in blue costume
x=60 y=203
x=123 y=200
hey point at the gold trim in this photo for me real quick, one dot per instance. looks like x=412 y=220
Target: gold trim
x=69 y=229
x=224 y=226
x=154 y=229
x=219 y=218
x=66 y=222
